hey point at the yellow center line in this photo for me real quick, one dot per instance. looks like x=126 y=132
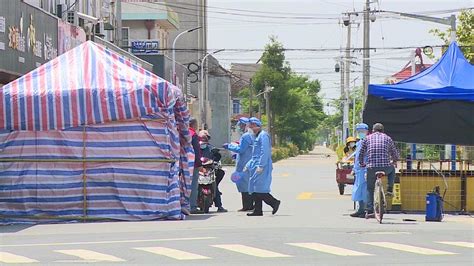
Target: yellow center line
x=305 y=196
x=6 y=257
x=173 y=253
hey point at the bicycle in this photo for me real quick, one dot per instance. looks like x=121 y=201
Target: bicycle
x=380 y=202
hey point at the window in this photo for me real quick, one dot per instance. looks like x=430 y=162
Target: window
x=236 y=106
x=125 y=38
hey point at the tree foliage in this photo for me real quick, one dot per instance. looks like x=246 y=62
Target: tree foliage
x=464 y=34
x=296 y=108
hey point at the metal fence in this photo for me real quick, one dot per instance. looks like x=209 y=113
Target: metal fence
x=424 y=167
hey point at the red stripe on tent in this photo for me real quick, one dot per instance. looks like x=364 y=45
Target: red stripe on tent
x=72 y=90
x=87 y=83
x=14 y=100
x=73 y=87
x=147 y=91
x=29 y=101
x=43 y=99
x=165 y=92
x=118 y=88
x=58 y=98
x=133 y=99
x=154 y=86
x=2 y=112
x=103 y=95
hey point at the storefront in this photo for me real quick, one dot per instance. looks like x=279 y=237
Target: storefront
x=28 y=39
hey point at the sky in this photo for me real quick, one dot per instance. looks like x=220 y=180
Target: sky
x=308 y=24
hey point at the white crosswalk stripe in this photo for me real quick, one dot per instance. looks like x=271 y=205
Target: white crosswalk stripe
x=89 y=255
x=458 y=244
x=409 y=248
x=329 y=249
x=251 y=251
x=173 y=253
x=6 y=257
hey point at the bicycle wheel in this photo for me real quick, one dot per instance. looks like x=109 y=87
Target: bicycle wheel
x=378 y=201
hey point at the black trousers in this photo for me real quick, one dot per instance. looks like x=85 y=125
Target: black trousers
x=259 y=198
x=247 y=201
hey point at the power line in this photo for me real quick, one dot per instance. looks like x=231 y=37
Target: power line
x=221 y=18
x=246 y=15
x=252 y=11
x=301 y=49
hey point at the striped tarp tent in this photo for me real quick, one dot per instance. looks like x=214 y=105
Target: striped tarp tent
x=90 y=135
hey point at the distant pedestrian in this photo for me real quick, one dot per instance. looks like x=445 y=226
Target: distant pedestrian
x=382 y=155
x=244 y=154
x=359 y=190
x=260 y=168
x=193 y=125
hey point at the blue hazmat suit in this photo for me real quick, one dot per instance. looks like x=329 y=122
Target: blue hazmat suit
x=261 y=157
x=244 y=154
x=359 y=190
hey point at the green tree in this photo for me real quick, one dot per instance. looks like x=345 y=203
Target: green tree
x=296 y=107
x=464 y=34
x=301 y=113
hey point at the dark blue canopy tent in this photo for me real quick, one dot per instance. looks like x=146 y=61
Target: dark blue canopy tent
x=435 y=106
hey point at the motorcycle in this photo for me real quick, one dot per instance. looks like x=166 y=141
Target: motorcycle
x=209 y=176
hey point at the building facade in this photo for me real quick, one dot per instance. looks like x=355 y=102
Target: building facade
x=33 y=32
x=218 y=96
x=147 y=26
x=28 y=39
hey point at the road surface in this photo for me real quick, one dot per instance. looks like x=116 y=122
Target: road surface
x=311 y=228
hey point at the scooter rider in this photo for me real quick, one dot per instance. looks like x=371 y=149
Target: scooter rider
x=244 y=154
x=208 y=151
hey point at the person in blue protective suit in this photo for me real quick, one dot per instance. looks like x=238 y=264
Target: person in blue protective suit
x=359 y=190
x=260 y=169
x=244 y=154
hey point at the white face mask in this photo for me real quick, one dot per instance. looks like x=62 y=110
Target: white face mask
x=250 y=131
x=352 y=144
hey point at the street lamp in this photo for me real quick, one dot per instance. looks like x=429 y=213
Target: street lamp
x=449 y=21
x=201 y=91
x=174 y=51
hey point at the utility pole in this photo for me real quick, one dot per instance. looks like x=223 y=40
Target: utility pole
x=266 y=95
x=203 y=91
x=347 y=64
x=250 y=98
x=366 y=52
x=267 y=91
x=353 y=107
x=118 y=18
x=343 y=64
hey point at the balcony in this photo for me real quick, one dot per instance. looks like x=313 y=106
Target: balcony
x=163 y=15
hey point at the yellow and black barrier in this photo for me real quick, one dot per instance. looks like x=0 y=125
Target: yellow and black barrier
x=457 y=189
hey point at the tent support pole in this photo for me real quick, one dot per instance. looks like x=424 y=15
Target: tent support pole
x=84 y=177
